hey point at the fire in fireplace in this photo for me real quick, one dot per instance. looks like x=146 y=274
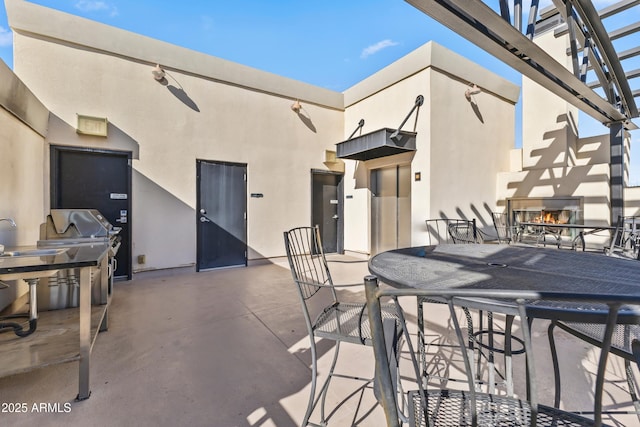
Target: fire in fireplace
x=553 y=210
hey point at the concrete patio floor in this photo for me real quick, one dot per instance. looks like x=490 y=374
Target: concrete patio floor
x=229 y=348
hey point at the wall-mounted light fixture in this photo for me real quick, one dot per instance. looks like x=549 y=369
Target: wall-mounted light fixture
x=417 y=176
x=296 y=107
x=158 y=73
x=471 y=90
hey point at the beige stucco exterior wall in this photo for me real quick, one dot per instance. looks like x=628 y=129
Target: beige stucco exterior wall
x=23 y=124
x=232 y=113
x=212 y=109
x=554 y=161
x=549 y=124
x=460 y=147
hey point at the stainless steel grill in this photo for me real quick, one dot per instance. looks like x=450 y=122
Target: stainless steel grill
x=73 y=227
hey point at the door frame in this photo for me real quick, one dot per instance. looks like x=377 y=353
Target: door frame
x=198 y=207
x=54 y=153
x=340 y=227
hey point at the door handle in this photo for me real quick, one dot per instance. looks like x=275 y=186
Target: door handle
x=335 y=217
x=204 y=219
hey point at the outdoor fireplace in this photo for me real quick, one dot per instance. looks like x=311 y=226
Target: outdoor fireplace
x=551 y=210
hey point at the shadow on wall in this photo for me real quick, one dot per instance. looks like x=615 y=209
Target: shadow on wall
x=558 y=175
x=60 y=132
x=178 y=92
x=167 y=225
x=554 y=172
x=305 y=117
x=475 y=108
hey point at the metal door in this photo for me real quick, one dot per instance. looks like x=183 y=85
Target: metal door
x=96 y=179
x=390 y=208
x=221 y=215
x=327 y=209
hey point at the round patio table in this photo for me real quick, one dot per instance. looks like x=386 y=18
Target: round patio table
x=517 y=268
x=493 y=274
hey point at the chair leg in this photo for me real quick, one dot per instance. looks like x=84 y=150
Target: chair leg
x=322 y=394
x=632 y=387
x=491 y=362
x=314 y=377
x=325 y=386
x=556 y=368
x=508 y=355
x=422 y=343
x=471 y=353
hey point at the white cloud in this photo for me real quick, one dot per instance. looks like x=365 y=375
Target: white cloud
x=96 y=6
x=375 y=48
x=6 y=37
x=206 y=22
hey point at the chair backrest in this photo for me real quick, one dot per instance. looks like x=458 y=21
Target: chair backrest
x=500 y=222
x=464 y=232
x=438 y=229
x=307 y=261
x=626 y=237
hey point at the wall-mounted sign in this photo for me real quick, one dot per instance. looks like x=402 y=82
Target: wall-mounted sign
x=88 y=125
x=118 y=196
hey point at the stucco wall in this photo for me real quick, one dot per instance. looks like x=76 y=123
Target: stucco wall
x=556 y=162
x=470 y=145
x=461 y=145
x=23 y=121
x=167 y=127
x=549 y=124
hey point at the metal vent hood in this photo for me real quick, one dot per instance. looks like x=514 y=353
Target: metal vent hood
x=373 y=145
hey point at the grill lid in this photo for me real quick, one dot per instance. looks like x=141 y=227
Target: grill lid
x=74 y=223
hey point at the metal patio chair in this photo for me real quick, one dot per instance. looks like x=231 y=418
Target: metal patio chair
x=465 y=406
x=626 y=237
x=625 y=343
x=337 y=321
x=466 y=232
x=506 y=233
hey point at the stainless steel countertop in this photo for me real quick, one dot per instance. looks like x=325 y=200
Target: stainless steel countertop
x=85 y=255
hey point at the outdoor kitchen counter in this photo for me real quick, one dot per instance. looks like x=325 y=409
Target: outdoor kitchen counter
x=63 y=335
x=76 y=256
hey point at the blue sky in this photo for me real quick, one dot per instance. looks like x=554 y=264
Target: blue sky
x=331 y=43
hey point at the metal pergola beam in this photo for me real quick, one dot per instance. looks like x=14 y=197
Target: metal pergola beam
x=591 y=49
x=481 y=25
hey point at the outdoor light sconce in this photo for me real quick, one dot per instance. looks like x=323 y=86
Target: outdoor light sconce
x=471 y=90
x=418 y=103
x=158 y=73
x=296 y=107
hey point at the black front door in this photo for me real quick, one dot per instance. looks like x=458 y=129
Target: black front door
x=326 y=209
x=96 y=179
x=221 y=214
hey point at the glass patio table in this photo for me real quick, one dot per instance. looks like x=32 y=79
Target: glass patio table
x=496 y=270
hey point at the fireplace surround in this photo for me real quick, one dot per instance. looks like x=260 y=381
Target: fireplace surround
x=554 y=210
